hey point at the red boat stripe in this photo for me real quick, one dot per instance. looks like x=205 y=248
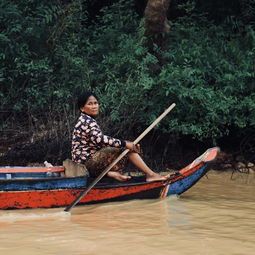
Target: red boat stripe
x=61 y=198
x=31 y=169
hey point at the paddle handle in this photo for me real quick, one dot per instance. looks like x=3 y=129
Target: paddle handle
x=138 y=139
x=154 y=123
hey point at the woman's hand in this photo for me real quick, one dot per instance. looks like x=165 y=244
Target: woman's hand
x=133 y=147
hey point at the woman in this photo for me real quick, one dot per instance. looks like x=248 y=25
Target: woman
x=96 y=150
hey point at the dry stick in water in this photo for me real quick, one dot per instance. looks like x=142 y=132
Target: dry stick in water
x=138 y=139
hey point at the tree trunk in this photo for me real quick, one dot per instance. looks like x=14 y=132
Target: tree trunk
x=155 y=15
x=156 y=26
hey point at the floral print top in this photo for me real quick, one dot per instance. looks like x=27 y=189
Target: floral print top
x=88 y=139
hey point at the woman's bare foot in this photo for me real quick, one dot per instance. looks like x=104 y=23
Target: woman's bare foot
x=167 y=176
x=118 y=176
x=156 y=177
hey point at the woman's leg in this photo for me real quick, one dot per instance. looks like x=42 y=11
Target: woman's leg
x=102 y=159
x=136 y=159
x=118 y=176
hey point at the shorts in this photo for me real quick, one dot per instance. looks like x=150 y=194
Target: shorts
x=102 y=159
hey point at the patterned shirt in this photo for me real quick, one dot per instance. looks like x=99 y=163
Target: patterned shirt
x=88 y=139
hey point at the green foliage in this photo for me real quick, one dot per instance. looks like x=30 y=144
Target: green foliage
x=211 y=76
x=41 y=56
x=50 y=52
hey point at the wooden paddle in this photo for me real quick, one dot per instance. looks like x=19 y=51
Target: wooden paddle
x=145 y=132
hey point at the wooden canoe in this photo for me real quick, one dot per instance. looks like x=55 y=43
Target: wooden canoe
x=52 y=192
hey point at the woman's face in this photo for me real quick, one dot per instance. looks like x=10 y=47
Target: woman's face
x=91 y=107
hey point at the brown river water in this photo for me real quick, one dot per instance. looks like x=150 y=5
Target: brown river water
x=216 y=216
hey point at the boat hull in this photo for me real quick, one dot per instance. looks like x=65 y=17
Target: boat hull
x=62 y=191
x=183 y=184
x=63 y=197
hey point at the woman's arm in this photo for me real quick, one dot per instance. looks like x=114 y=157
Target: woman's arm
x=98 y=138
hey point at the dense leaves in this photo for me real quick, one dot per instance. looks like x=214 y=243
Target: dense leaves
x=50 y=51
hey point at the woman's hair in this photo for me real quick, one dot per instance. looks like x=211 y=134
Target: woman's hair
x=83 y=98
